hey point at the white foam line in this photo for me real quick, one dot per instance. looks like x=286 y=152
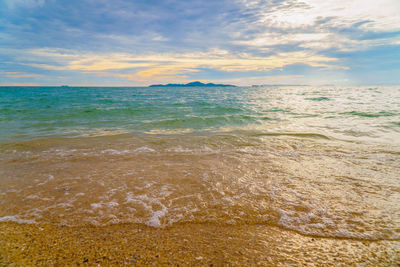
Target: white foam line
x=144 y=149
x=16 y=219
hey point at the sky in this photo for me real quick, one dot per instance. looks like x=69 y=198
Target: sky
x=241 y=42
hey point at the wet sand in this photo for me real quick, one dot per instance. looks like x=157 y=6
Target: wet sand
x=184 y=245
x=246 y=202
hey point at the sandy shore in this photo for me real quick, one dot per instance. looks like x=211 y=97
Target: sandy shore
x=183 y=245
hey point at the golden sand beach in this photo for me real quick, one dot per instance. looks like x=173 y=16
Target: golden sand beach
x=184 y=245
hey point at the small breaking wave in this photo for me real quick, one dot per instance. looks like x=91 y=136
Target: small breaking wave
x=322 y=98
x=16 y=219
x=301 y=135
x=370 y=115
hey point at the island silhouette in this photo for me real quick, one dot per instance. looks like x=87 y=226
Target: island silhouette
x=192 y=84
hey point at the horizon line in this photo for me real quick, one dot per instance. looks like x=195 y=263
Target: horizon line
x=251 y=85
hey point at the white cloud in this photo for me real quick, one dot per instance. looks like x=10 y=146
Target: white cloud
x=316 y=41
x=173 y=62
x=152 y=67
x=11 y=4
x=272 y=39
x=15 y=74
x=317 y=25
x=381 y=15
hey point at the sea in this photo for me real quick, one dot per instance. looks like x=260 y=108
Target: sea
x=320 y=161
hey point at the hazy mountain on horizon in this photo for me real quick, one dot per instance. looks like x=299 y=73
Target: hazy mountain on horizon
x=193 y=84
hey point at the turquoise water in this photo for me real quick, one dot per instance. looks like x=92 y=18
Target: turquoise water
x=337 y=112
x=321 y=161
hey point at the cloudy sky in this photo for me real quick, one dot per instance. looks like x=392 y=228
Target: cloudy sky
x=243 y=42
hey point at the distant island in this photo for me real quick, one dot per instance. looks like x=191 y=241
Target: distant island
x=192 y=84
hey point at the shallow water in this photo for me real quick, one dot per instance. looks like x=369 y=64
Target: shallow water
x=319 y=161
x=350 y=113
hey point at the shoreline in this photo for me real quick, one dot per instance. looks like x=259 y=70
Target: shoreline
x=186 y=244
